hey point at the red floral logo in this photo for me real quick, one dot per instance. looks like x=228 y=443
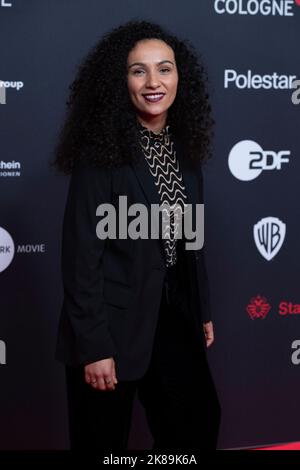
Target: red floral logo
x=258 y=307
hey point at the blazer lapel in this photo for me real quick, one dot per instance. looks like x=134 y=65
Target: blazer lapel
x=145 y=179
x=188 y=173
x=190 y=180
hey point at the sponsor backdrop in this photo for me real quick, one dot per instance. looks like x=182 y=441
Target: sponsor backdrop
x=252 y=227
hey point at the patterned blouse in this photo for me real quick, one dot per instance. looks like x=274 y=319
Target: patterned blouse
x=160 y=153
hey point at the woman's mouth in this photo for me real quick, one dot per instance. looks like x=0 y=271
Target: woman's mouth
x=153 y=97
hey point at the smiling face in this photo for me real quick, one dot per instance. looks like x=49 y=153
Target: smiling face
x=152 y=80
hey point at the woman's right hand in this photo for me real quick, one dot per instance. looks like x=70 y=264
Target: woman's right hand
x=101 y=375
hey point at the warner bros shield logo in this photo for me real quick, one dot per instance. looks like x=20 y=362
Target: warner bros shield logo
x=269 y=234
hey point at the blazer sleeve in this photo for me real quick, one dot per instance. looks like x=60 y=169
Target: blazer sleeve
x=82 y=265
x=203 y=282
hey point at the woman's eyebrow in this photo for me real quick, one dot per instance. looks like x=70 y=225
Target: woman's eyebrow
x=157 y=63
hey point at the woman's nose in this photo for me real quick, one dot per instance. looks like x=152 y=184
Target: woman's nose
x=152 y=80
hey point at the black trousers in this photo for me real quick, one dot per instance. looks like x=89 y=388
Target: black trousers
x=177 y=393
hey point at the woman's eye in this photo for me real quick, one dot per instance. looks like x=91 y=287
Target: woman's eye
x=139 y=72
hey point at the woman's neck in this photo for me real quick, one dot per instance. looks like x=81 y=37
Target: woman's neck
x=155 y=124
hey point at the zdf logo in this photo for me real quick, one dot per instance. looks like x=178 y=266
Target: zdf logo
x=247 y=160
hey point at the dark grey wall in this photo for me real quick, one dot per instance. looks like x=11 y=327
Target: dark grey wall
x=42 y=42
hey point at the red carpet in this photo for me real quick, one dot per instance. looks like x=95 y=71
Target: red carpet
x=289 y=446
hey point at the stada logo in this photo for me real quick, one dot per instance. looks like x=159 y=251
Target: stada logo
x=258 y=308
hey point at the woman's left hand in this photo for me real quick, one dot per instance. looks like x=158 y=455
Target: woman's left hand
x=208 y=329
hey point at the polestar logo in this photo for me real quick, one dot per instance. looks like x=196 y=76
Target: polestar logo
x=248 y=80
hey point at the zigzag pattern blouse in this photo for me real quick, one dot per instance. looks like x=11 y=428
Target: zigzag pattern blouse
x=160 y=154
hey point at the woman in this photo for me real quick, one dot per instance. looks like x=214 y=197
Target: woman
x=135 y=315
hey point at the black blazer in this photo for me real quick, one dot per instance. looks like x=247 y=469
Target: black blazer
x=113 y=287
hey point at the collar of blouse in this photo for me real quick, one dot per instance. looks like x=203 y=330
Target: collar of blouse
x=145 y=131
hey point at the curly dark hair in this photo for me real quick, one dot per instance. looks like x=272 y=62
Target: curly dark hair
x=99 y=108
